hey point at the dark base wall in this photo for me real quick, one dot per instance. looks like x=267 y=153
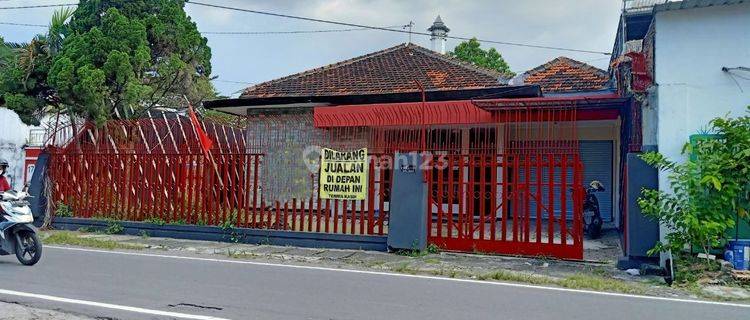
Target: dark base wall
x=238 y=235
x=640 y=232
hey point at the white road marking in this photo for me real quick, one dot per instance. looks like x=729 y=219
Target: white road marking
x=108 y=305
x=391 y=274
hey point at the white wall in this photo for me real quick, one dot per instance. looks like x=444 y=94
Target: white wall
x=690 y=48
x=12 y=139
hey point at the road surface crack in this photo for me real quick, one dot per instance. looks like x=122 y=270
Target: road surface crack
x=192 y=305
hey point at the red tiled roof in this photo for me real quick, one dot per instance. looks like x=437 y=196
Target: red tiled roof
x=564 y=75
x=393 y=70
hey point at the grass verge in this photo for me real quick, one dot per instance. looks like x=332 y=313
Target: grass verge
x=76 y=239
x=576 y=281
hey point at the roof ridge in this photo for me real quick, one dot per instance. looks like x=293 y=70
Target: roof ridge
x=569 y=61
x=326 y=67
x=414 y=47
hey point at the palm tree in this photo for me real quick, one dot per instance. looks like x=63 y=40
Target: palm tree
x=31 y=62
x=58 y=28
x=9 y=51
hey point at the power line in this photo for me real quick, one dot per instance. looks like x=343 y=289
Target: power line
x=232 y=81
x=360 y=26
x=23 y=24
x=40 y=6
x=232 y=32
x=288 y=32
x=280 y=15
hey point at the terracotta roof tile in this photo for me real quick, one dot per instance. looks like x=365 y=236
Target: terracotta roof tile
x=564 y=75
x=392 y=70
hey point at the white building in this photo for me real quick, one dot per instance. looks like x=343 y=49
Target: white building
x=13 y=138
x=697 y=61
x=694 y=43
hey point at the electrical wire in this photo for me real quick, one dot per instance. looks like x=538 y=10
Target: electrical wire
x=231 y=32
x=361 y=26
x=289 y=32
x=24 y=24
x=232 y=81
x=40 y=6
x=280 y=15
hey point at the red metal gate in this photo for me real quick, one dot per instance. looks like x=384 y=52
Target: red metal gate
x=512 y=187
x=524 y=204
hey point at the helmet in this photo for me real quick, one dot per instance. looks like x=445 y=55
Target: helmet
x=596 y=185
x=3 y=163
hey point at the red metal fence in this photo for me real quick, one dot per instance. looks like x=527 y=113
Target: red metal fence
x=189 y=188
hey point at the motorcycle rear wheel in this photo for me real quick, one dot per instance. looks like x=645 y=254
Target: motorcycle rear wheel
x=29 y=249
x=594 y=229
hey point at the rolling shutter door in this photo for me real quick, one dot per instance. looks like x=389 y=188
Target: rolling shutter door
x=597 y=165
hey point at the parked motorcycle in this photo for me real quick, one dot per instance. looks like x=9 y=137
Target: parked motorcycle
x=17 y=233
x=592 y=219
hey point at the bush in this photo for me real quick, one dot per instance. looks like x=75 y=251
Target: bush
x=113 y=227
x=709 y=191
x=63 y=210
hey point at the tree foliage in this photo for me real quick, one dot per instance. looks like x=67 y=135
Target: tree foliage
x=23 y=70
x=709 y=191
x=224 y=118
x=471 y=51
x=123 y=57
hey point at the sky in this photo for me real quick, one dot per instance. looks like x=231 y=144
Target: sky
x=242 y=60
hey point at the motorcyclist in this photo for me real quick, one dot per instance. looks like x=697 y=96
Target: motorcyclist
x=4 y=184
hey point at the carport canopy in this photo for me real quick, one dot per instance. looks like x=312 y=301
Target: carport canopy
x=593 y=107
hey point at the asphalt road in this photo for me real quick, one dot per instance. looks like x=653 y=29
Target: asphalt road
x=142 y=286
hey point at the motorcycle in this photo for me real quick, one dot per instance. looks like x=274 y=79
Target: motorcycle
x=592 y=219
x=17 y=233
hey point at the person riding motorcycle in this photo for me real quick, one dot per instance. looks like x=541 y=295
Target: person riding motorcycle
x=4 y=184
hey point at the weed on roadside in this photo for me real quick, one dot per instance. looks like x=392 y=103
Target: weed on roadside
x=155 y=220
x=113 y=227
x=74 y=239
x=405 y=268
x=63 y=210
x=581 y=281
x=432 y=249
x=87 y=229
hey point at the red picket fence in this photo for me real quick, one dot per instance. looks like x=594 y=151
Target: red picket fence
x=192 y=189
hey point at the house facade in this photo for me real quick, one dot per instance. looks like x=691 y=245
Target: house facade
x=512 y=157
x=674 y=59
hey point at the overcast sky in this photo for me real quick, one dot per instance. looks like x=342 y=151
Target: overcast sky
x=580 y=24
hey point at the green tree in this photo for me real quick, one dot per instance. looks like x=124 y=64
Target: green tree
x=24 y=67
x=123 y=57
x=709 y=191
x=471 y=51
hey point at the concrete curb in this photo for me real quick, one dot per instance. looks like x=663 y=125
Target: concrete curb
x=234 y=235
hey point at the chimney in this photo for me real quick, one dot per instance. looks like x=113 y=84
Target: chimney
x=438 y=33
